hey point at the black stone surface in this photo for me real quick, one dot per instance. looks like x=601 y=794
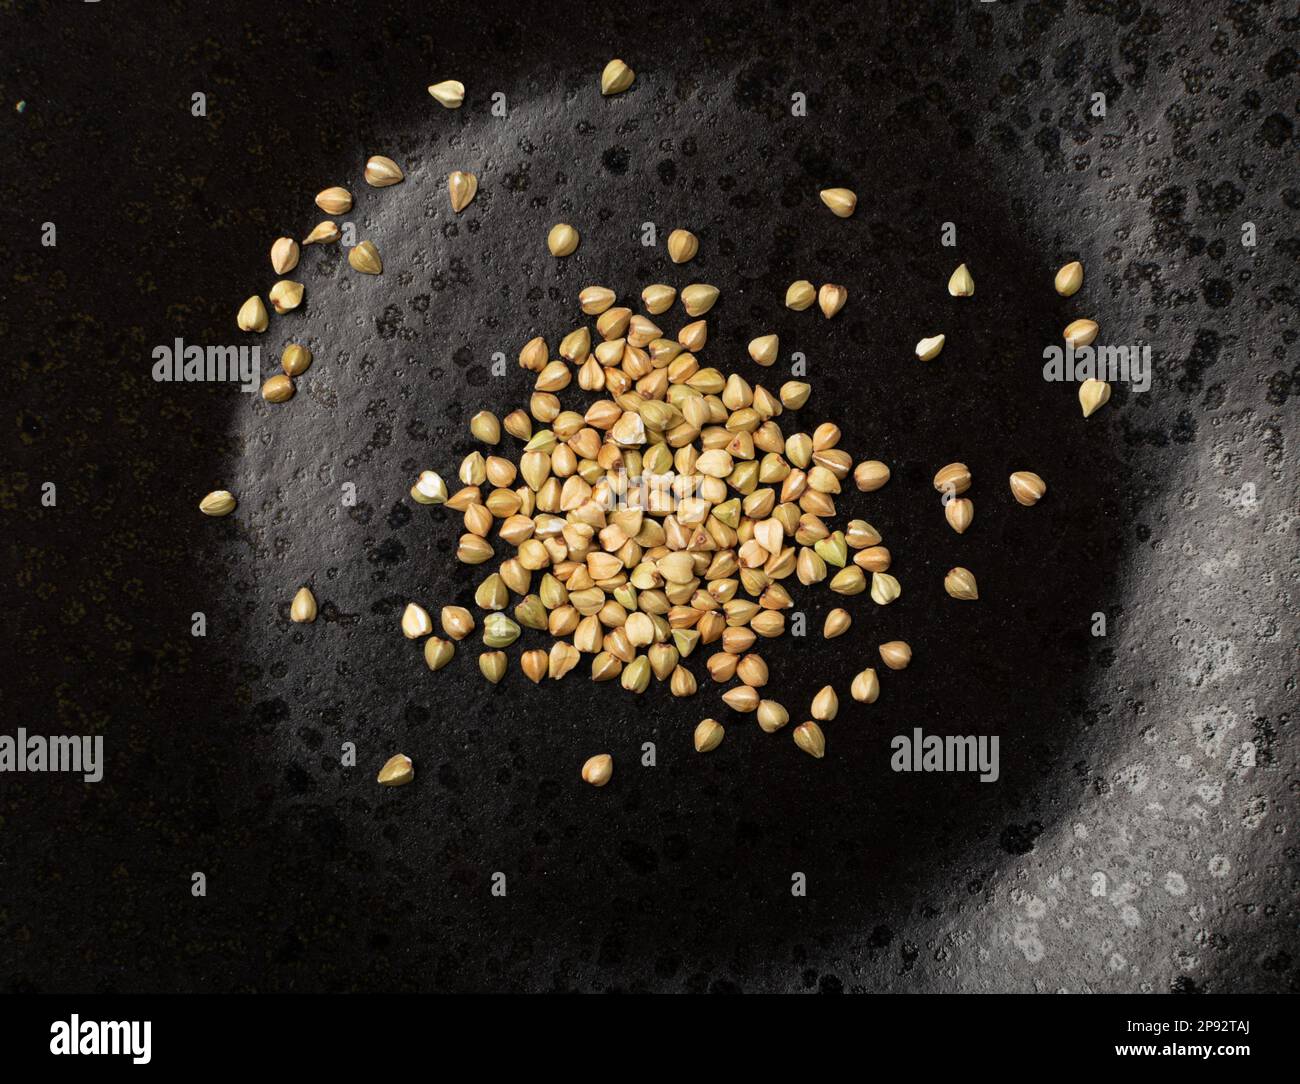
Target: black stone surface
x=1121 y=756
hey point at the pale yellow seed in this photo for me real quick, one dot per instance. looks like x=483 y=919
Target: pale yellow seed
x=284 y=255
x=870 y=475
x=961 y=284
x=252 y=315
x=397 y=771
x=1093 y=395
x=473 y=550
x=518 y=424
x=837 y=623
x=382 y=172
x=1027 y=487
x=960 y=584
x=772 y=716
x=598 y=770
x=928 y=349
x=800 y=295
x=841 y=201
x=866 y=687
x=594 y=300
x=686 y=640
x=825 y=705
x=831 y=298
x=682 y=246
x=826 y=435
x=809 y=737
x=850 y=581
x=219 y=502
x=576 y=345
x=1069 y=279
x=365 y=258
x=463 y=498
x=492 y=665
x=611 y=326
x=295 y=360
x=562 y=240
x=429 y=488
x=484 y=426
x=833 y=549
x=742 y=698
x=278 y=389
x=499 y=630
x=698 y=298
x=616 y=78
x=473 y=469
x=764 y=349
x=873 y=559
x=952 y=479
x=416 y=621
x=708 y=735
x=563 y=658
x=795 y=394
x=531 y=613
x=555 y=376
x=683 y=682
x=896 y=654
x=457 y=622
x=302 y=610
x=1080 y=333
x=799 y=450
x=323 y=234
x=960 y=513
x=449 y=93
x=810 y=568
x=694 y=335
x=334 y=201
x=492 y=593
x=462 y=188
x=860 y=534
x=663 y=660
x=658 y=298
x=605 y=667
x=636 y=676
x=884 y=588
x=286 y=295
x=437 y=653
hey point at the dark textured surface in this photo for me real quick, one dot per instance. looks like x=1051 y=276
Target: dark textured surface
x=1120 y=755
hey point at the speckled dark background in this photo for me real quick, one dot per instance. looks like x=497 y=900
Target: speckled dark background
x=1120 y=755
